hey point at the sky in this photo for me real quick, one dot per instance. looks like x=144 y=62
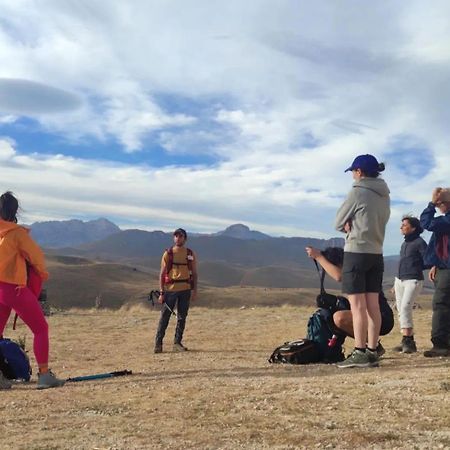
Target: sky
x=202 y=114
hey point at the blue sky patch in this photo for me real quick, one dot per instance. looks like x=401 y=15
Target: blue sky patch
x=410 y=156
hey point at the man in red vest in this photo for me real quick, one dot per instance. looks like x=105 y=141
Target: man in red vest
x=178 y=287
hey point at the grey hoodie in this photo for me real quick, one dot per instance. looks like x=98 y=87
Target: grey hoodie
x=367 y=207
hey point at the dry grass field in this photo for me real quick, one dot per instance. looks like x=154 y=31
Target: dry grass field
x=222 y=394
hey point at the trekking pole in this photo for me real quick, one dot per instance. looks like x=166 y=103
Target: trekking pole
x=156 y=293
x=98 y=376
x=171 y=310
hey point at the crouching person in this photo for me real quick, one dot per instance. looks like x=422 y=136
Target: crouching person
x=178 y=287
x=331 y=260
x=17 y=249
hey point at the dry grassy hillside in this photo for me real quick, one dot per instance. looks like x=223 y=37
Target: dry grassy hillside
x=223 y=394
x=76 y=282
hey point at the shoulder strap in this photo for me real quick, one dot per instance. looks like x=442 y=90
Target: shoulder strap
x=321 y=277
x=189 y=260
x=169 y=264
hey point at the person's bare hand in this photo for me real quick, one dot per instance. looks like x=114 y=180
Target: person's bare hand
x=432 y=274
x=435 y=195
x=161 y=298
x=312 y=252
x=193 y=296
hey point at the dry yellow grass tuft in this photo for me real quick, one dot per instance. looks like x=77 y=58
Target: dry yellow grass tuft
x=222 y=394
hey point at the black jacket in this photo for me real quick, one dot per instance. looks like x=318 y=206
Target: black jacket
x=411 y=264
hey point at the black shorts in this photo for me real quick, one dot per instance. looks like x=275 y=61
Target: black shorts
x=362 y=272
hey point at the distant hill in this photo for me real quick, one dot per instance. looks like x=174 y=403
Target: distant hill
x=67 y=233
x=240 y=231
x=137 y=245
x=125 y=264
x=76 y=282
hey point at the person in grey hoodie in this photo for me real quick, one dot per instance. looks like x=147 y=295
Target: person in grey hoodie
x=363 y=217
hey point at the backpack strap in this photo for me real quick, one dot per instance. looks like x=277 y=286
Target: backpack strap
x=321 y=277
x=171 y=263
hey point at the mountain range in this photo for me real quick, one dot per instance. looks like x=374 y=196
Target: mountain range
x=99 y=256
x=67 y=233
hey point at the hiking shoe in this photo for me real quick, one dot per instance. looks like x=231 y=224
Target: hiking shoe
x=399 y=348
x=178 y=347
x=380 y=350
x=358 y=359
x=409 y=345
x=158 y=348
x=374 y=358
x=434 y=352
x=48 y=380
x=4 y=382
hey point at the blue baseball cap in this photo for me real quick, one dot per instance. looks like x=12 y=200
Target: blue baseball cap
x=367 y=163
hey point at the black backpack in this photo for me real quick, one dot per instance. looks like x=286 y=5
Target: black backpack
x=302 y=351
x=329 y=301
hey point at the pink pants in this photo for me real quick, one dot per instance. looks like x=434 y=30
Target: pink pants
x=27 y=307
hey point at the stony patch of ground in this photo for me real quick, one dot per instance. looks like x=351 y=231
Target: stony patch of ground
x=222 y=394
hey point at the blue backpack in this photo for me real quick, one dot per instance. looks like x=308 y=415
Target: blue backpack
x=319 y=331
x=14 y=362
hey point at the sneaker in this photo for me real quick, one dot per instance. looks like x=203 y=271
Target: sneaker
x=158 y=348
x=380 y=350
x=399 y=348
x=179 y=347
x=436 y=351
x=48 y=380
x=4 y=382
x=358 y=359
x=374 y=357
x=409 y=345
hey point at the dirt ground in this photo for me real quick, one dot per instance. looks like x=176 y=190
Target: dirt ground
x=222 y=394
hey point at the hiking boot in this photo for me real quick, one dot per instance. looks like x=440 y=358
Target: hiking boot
x=48 y=380
x=399 y=348
x=158 y=348
x=380 y=350
x=374 y=358
x=434 y=352
x=179 y=347
x=4 y=382
x=409 y=345
x=358 y=359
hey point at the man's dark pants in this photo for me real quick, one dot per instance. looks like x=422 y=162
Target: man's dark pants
x=182 y=300
x=440 y=323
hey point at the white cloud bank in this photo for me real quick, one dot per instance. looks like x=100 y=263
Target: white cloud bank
x=282 y=95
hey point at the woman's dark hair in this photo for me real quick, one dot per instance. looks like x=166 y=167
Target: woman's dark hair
x=334 y=255
x=414 y=222
x=8 y=207
x=376 y=174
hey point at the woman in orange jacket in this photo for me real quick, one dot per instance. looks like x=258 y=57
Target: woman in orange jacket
x=17 y=251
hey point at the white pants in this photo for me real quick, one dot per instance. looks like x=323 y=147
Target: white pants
x=406 y=292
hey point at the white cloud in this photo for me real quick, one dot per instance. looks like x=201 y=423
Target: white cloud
x=282 y=97
x=6 y=149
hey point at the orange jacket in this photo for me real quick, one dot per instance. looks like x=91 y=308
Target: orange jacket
x=17 y=248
